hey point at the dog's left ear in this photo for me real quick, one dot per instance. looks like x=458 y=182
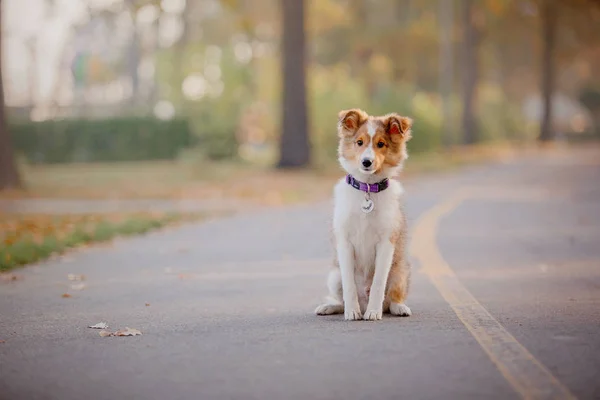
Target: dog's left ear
x=350 y=120
x=398 y=125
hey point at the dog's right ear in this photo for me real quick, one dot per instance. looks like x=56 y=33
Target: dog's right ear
x=350 y=120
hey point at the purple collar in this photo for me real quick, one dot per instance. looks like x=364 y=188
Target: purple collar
x=366 y=187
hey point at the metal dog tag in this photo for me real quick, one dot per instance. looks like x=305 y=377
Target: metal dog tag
x=367 y=205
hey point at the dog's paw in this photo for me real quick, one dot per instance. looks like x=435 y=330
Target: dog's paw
x=329 y=309
x=400 y=309
x=372 y=315
x=352 y=315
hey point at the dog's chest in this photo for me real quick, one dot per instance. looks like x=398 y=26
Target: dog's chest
x=365 y=230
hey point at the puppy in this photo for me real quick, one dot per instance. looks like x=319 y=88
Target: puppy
x=370 y=274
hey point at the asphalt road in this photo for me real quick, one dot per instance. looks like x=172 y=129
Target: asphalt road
x=508 y=305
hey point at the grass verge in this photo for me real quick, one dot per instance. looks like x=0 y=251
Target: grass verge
x=25 y=239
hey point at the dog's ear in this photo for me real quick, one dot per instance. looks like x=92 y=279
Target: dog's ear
x=398 y=126
x=350 y=120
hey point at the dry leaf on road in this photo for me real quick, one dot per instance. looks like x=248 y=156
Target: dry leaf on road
x=66 y=296
x=147 y=304
x=127 y=332
x=2 y=341
x=121 y=332
x=78 y=286
x=99 y=325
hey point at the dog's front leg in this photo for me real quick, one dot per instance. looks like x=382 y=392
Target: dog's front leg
x=383 y=263
x=346 y=261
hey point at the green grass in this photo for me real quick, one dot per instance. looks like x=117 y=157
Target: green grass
x=28 y=239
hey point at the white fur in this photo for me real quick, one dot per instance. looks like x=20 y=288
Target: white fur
x=371 y=128
x=366 y=239
x=400 y=309
x=363 y=243
x=369 y=153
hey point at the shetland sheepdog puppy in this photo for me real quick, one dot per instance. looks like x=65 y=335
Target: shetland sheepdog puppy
x=371 y=274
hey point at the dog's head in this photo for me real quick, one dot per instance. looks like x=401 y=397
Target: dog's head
x=371 y=145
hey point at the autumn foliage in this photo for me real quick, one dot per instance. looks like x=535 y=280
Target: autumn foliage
x=29 y=238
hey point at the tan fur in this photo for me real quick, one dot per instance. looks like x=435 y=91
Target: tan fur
x=357 y=132
x=350 y=120
x=399 y=277
x=353 y=129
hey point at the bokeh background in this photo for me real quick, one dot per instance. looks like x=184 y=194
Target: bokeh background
x=238 y=99
x=126 y=80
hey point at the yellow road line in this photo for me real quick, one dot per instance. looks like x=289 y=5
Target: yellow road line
x=524 y=373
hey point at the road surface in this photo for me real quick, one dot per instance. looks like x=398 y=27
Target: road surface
x=505 y=301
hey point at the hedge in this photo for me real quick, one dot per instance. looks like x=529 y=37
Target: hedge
x=117 y=139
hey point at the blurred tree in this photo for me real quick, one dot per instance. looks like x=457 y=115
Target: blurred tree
x=181 y=48
x=590 y=98
x=294 y=146
x=133 y=52
x=470 y=70
x=446 y=64
x=9 y=175
x=549 y=21
x=568 y=28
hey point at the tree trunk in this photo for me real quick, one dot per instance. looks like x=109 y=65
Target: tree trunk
x=470 y=74
x=9 y=176
x=294 y=147
x=446 y=72
x=133 y=57
x=548 y=15
x=180 y=48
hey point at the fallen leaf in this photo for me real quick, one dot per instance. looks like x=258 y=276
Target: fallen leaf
x=66 y=296
x=99 y=325
x=78 y=286
x=127 y=332
x=105 y=333
x=147 y=304
x=73 y=277
x=2 y=341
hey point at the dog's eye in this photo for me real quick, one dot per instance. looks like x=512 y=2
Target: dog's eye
x=380 y=144
x=359 y=142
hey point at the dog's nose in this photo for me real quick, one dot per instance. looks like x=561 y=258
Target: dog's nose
x=366 y=163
